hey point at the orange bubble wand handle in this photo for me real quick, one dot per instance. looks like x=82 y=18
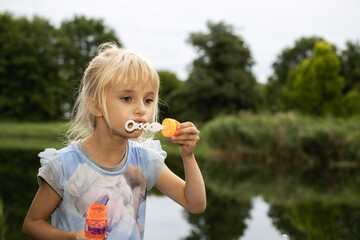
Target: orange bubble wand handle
x=170 y=126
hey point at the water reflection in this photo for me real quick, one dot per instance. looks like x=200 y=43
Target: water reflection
x=317 y=220
x=303 y=203
x=224 y=218
x=259 y=220
x=164 y=219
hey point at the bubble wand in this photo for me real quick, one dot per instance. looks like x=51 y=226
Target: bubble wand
x=167 y=128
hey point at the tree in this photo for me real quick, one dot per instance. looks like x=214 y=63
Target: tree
x=314 y=86
x=31 y=87
x=220 y=81
x=286 y=61
x=350 y=66
x=40 y=64
x=78 y=41
x=350 y=103
x=169 y=84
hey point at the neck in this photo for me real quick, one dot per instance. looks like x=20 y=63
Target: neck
x=108 y=150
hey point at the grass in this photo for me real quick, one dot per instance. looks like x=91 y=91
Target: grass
x=31 y=130
x=14 y=135
x=29 y=143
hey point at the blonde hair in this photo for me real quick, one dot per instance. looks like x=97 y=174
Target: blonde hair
x=109 y=68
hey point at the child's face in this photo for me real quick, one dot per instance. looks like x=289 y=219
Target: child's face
x=130 y=103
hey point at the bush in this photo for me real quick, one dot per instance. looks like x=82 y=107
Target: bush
x=285 y=137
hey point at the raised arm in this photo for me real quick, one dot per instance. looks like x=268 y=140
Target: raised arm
x=189 y=193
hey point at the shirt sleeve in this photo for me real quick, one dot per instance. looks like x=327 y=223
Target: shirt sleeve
x=156 y=157
x=51 y=170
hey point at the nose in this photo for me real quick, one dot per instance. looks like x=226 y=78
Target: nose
x=140 y=108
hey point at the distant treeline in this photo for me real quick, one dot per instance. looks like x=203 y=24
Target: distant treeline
x=41 y=66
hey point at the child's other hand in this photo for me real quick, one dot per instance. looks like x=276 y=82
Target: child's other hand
x=80 y=235
x=187 y=137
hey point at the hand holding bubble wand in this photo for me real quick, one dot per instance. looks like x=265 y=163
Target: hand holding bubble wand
x=167 y=128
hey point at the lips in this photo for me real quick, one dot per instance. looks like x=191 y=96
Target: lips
x=140 y=121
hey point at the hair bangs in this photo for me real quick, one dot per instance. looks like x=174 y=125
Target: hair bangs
x=134 y=70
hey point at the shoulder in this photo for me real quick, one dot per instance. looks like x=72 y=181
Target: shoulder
x=153 y=147
x=51 y=169
x=52 y=155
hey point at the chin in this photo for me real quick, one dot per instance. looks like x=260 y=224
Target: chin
x=135 y=134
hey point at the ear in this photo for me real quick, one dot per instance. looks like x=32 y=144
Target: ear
x=96 y=111
x=94 y=108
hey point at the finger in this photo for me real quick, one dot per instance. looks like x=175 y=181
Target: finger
x=190 y=144
x=186 y=137
x=192 y=140
x=187 y=130
x=187 y=124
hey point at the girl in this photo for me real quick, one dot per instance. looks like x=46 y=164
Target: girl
x=103 y=165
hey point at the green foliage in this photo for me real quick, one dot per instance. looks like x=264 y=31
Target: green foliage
x=30 y=83
x=350 y=103
x=350 y=66
x=78 y=41
x=221 y=81
x=287 y=60
x=252 y=136
x=169 y=84
x=40 y=64
x=292 y=62
x=314 y=86
x=287 y=138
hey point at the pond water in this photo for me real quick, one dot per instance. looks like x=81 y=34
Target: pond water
x=244 y=201
x=164 y=220
x=259 y=224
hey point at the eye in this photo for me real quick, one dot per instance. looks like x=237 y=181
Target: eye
x=149 y=100
x=126 y=99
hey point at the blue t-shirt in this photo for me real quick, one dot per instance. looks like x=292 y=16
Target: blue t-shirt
x=80 y=182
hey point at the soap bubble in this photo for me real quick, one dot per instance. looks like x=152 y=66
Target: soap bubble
x=284 y=237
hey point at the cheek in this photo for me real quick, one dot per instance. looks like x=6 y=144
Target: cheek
x=150 y=111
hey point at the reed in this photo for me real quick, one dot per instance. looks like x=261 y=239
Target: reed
x=285 y=137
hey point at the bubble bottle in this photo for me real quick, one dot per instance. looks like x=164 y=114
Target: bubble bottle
x=168 y=126
x=96 y=221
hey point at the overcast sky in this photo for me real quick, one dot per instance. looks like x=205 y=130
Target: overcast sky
x=158 y=29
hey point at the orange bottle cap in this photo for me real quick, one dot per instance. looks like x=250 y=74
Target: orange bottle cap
x=97 y=211
x=170 y=125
